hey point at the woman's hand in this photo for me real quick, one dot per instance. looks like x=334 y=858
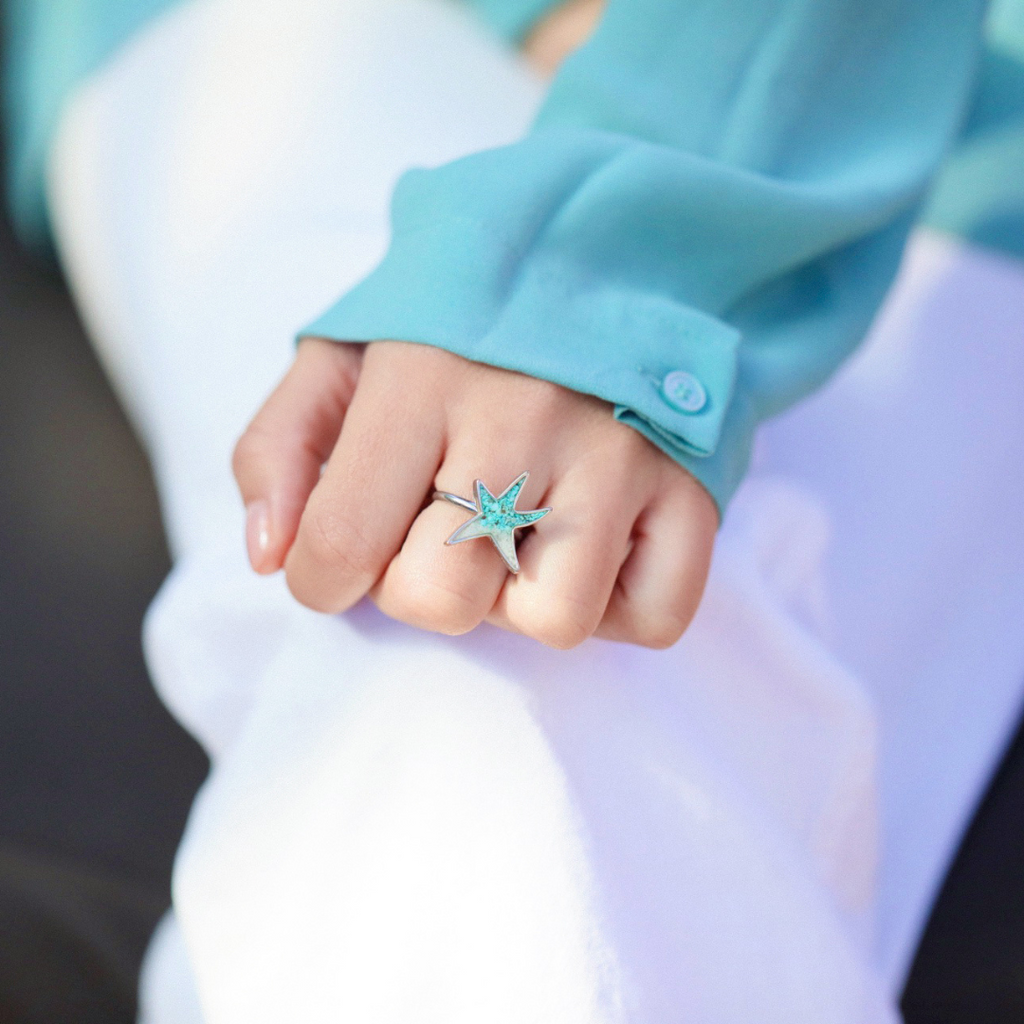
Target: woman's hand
x=624 y=554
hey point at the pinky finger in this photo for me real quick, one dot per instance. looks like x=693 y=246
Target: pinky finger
x=662 y=579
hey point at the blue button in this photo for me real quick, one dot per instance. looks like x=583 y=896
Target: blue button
x=684 y=392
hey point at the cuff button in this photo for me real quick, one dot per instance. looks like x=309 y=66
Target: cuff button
x=684 y=392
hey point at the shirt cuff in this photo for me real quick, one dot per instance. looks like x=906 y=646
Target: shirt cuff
x=668 y=369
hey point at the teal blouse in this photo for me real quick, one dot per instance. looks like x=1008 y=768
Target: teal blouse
x=702 y=221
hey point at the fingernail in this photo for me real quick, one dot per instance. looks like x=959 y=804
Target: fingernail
x=257 y=532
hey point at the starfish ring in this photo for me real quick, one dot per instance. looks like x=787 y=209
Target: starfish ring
x=494 y=517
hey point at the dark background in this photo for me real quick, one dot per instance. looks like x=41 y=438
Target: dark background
x=95 y=777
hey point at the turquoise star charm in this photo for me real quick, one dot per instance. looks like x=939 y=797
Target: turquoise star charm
x=495 y=517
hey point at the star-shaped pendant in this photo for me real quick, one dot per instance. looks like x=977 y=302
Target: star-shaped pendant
x=498 y=518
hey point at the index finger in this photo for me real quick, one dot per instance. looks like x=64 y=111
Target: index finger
x=376 y=479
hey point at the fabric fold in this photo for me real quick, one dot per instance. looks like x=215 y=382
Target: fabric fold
x=721 y=191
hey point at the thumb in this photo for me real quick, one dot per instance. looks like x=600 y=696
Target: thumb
x=277 y=460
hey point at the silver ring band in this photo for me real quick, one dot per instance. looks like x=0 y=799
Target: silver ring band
x=465 y=503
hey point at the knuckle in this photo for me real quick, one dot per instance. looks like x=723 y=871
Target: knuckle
x=628 y=451
x=620 y=455
x=546 y=396
x=339 y=545
x=660 y=634
x=540 y=402
x=666 y=627
x=434 y=607
x=561 y=624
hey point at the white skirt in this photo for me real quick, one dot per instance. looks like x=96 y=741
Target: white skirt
x=402 y=828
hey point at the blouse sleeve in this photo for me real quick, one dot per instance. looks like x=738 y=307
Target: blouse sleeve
x=700 y=224
x=51 y=45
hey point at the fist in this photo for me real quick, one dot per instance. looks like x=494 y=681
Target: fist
x=338 y=470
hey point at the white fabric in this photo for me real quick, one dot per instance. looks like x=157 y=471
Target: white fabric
x=401 y=828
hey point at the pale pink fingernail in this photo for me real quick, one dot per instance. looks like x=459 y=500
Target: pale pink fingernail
x=257 y=532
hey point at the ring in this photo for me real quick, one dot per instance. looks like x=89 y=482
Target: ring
x=494 y=517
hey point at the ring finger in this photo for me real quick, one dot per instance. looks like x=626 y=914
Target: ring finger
x=451 y=588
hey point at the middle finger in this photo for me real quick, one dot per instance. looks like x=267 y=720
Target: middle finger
x=452 y=588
